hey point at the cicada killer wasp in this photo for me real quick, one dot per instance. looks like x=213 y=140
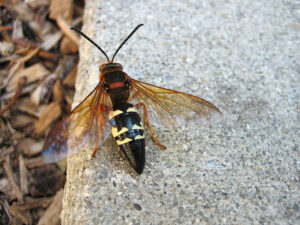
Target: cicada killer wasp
x=114 y=107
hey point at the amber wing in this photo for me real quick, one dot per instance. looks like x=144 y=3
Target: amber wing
x=87 y=125
x=172 y=108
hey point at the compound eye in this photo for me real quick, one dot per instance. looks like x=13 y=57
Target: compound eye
x=101 y=68
x=106 y=87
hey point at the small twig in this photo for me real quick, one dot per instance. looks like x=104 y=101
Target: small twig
x=65 y=28
x=23 y=175
x=5 y=28
x=25 y=43
x=51 y=215
x=5 y=152
x=34 y=162
x=23 y=216
x=35 y=203
x=21 y=83
x=48 y=55
x=6 y=208
x=31 y=45
x=16 y=192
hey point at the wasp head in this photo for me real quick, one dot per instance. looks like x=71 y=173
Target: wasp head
x=110 y=67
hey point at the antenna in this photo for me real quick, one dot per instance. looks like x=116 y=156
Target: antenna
x=90 y=40
x=132 y=32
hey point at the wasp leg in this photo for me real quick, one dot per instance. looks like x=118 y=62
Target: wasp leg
x=146 y=122
x=95 y=152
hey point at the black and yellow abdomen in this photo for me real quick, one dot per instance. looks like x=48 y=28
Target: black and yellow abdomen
x=128 y=132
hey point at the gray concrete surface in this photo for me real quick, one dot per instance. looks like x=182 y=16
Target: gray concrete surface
x=243 y=56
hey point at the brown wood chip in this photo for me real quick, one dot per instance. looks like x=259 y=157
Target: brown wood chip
x=20 y=85
x=34 y=162
x=16 y=192
x=70 y=79
x=51 y=40
x=42 y=92
x=45 y=54
x=45 y=180
x=4 y=186
x=17 y=30
x=23 y=216
x=18 y=66
x=30 y=147
x=61 y=8
x=31 y=203
x=21 y=121
x=25 y=105
x=32 y=73
x=23 y=175
x=58 y=95
x=65 y=27
x=47 y=117
x=6 y=151
x=6 y=48
x=52 y=214
x=67 y=46
x=69 y=95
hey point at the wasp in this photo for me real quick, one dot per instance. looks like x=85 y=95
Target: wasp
x=114 y=107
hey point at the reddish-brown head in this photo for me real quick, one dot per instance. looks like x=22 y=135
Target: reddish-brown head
x=110 y=67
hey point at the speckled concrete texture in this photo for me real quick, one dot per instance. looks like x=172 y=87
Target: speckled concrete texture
x=243 y=56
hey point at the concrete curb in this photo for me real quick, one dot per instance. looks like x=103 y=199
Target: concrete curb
x=240 y=56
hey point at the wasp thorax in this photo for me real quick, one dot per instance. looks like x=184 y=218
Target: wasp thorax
x=110 y=67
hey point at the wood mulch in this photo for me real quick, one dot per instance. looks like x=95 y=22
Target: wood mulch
x=38 y=66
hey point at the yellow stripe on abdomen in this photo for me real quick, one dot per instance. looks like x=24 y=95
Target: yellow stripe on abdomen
x=116 y=133
x=137 y=137
x=137 y=127
x=112 y=114
x=126 y=140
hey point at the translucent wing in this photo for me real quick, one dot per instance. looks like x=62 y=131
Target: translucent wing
x=172 y=108
x=87 y=125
